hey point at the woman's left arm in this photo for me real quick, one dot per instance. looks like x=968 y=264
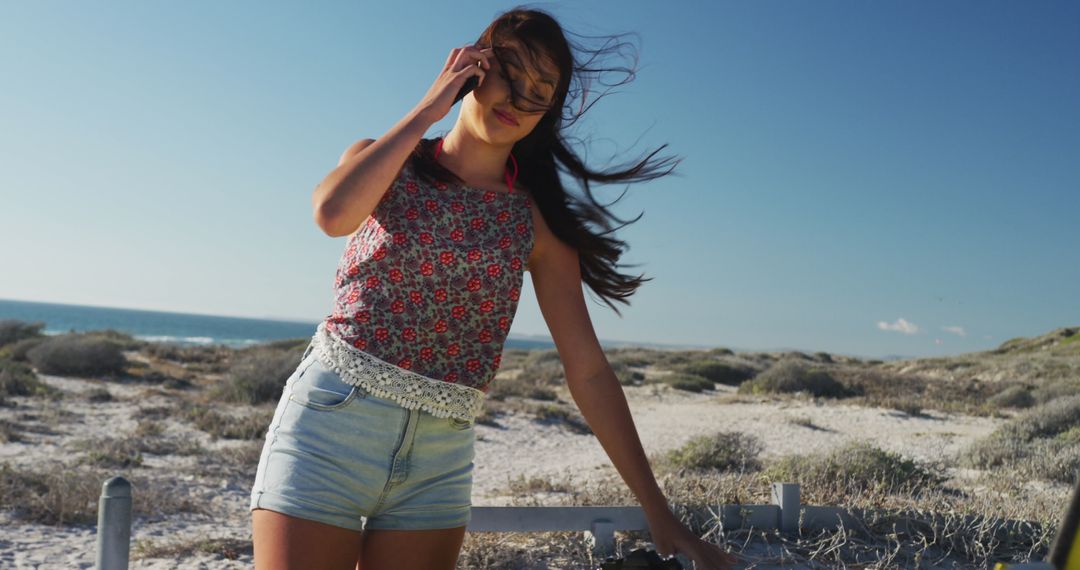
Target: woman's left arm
x=556 y=276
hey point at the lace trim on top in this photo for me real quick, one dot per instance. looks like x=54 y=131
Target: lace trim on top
x=385 y=380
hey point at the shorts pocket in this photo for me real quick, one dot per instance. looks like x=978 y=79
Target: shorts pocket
x=459 y=424
x=320 y=388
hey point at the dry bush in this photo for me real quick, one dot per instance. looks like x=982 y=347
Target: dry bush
x=513 y=358
x=111 y=452
x=10 y=432
x=524 y=385
x=555 y=412
x=177 y=549
x=1043 y=443
x=214 y=354
x=790 y=375
x=1056 y=389
x=897 y=525
x=541 y=372
x=535 y=484
x=248 y=423
x=240 y=461
x=57 y=494
x=258 y=375
x=856 y=465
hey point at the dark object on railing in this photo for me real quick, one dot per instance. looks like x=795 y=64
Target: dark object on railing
x=641 y=559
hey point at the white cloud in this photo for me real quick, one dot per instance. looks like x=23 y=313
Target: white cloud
x=956 y=330
x=937 y=341
x=900 y=325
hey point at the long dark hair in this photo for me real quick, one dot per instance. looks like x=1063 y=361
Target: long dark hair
x=579 y=221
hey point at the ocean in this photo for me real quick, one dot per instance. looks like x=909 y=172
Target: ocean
x=156 y=326
x=181 y=328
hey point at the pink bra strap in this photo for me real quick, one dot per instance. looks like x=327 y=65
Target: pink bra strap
x=509 y=180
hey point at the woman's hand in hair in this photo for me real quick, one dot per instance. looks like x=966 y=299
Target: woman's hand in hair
x=460 y=66
x=671 y=537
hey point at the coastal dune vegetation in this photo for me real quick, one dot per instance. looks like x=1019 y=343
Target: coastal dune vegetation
x=185 y=424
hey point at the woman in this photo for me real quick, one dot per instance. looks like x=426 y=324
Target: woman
x=368 y=460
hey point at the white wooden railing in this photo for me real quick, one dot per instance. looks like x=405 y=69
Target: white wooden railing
x=598 y=523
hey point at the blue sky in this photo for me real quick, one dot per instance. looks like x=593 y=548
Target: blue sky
x=866 y=178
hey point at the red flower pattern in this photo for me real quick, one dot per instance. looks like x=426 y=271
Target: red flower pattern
x=432 y=278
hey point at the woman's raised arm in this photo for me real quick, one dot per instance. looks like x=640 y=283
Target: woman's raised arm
x=348 y=195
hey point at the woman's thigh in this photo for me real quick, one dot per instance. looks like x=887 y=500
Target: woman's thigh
x=411 y=549
x=285 y=542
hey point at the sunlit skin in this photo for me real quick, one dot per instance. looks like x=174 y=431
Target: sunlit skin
x=478 y=147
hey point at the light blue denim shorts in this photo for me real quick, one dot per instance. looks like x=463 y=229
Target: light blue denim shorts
x=336 y=454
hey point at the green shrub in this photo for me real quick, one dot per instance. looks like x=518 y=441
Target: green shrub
x=257 y=376
x=631 y=356
x=790 y=375
x=858 y=465
x=287 y=345
x=177 y=352
x=722 y=451
x=13 y=330
x=687 y=382
x=993 y=451
x=18 y=379
x=122 y=340
x=626 y=376
x=18 y=349
x=10 y=432
x=521 y=386
x=79 y=355
x=1056 y=390
x=717 y=371
x=541 y=371
x=1014 y=396
x=564 y=415
x=98 y=395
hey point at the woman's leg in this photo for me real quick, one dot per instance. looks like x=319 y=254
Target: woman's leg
x=411 y=549
x=284 y=542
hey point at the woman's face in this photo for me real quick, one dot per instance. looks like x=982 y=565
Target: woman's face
x=492 y=97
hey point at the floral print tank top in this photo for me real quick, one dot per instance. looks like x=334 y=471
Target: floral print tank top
x=425 y=293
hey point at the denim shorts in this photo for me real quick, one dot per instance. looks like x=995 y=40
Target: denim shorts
x=336 y=454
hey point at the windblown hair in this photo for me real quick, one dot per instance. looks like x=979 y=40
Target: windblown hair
x=579 y=221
